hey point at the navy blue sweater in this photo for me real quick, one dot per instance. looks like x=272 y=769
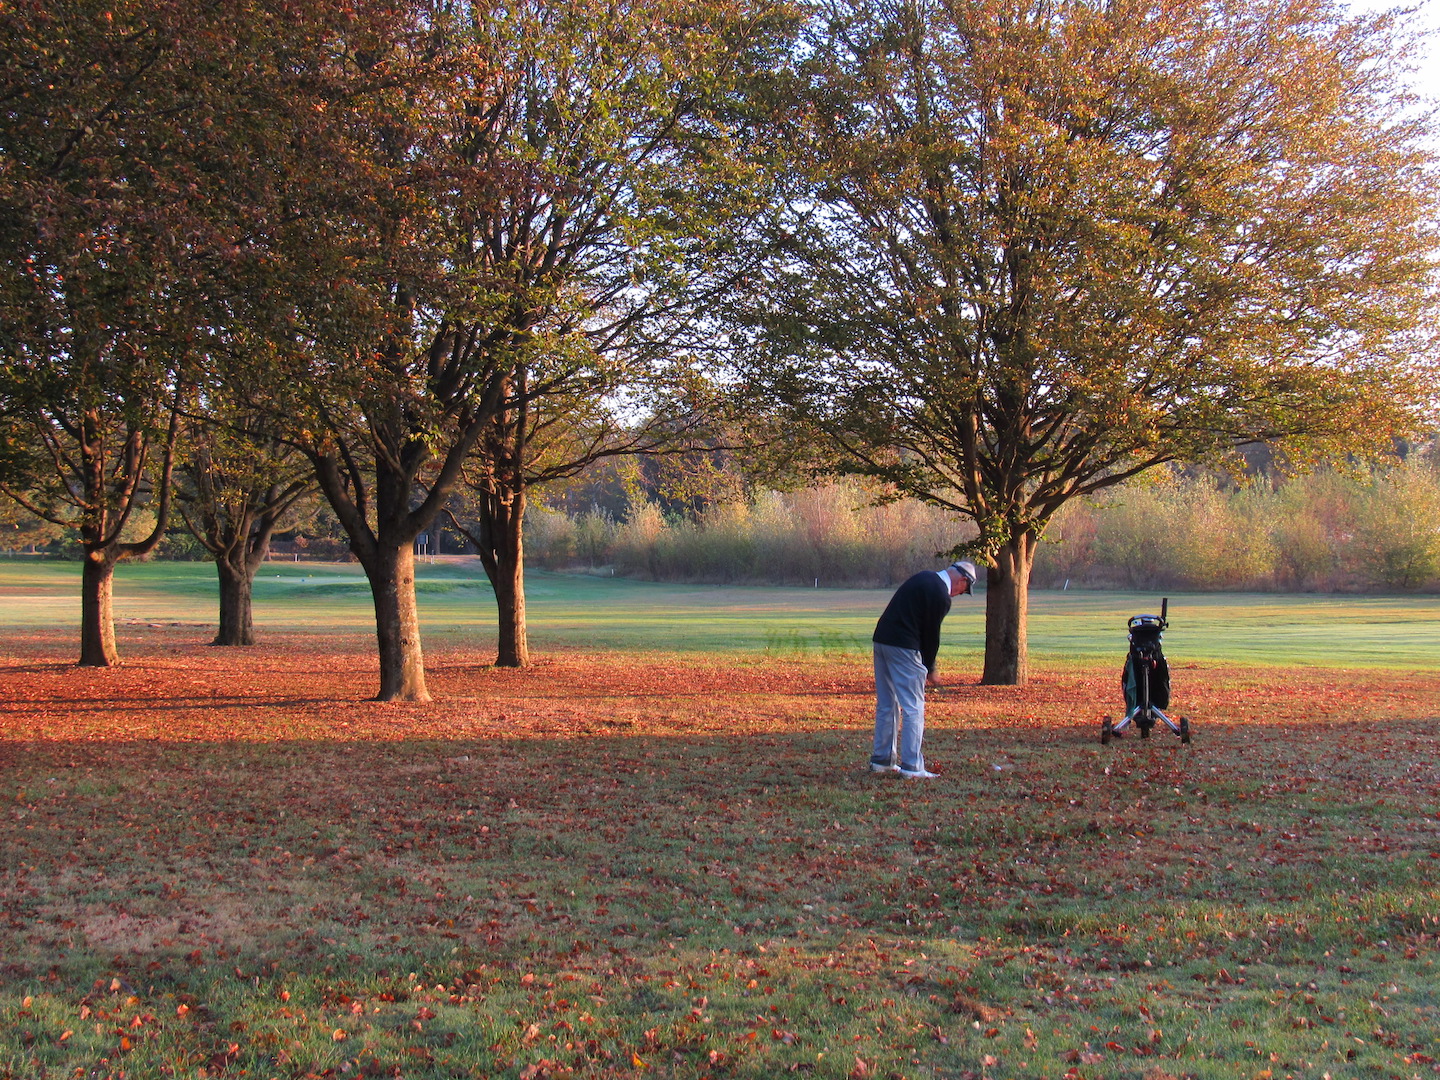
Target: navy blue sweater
x=912 y=618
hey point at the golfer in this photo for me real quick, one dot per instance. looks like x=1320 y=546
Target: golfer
x=907 y=639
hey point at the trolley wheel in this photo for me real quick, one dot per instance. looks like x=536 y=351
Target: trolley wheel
x=1107 y=730
x=1184 y=729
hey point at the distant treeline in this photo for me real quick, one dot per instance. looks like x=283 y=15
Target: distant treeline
x=1372 y=529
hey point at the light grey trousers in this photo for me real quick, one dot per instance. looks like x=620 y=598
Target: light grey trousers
x=899 y=707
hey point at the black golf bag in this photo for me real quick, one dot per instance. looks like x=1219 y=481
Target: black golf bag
x=1145 y=680
x=1146 y=674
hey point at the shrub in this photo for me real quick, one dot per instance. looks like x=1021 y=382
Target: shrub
x=1323 y=530
x=831 y=534
x=549 y=536
x=1397 y=527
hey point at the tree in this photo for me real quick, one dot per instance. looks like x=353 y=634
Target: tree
x=101 y=435
x=534 y=205
x=381 y=393
x=630 y=112
x=93 y=297
x=1035 y=249
x=235 y=490
x=137 y=192
x=534 y=444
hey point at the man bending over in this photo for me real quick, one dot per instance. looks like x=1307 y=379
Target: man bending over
x=907 y=639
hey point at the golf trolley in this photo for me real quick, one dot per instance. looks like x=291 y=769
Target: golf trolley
x=1146 y=680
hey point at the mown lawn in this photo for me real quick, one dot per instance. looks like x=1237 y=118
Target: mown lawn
x=458 y=609
x=627 y=863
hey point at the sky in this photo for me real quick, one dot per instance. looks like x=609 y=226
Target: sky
x=1426 y=78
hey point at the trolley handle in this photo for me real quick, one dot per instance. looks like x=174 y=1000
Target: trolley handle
x=1164 y=605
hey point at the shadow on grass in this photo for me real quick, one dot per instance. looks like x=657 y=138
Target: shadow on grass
x=704 y=905
x=618 y=865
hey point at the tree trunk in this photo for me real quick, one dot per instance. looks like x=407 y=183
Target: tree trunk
x=391 y=571
x=1007 y=601
x=237 y=626
x=386 y=550
x=508 y=579
x=239 y=539
x=97 y=617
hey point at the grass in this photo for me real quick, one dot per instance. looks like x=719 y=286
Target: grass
x=721 y=907
x=457 y=606
x=670 y=863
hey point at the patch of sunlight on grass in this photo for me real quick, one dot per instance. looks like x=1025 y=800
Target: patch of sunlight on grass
x=602 y=612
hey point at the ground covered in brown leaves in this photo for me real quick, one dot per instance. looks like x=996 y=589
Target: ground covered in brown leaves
x=227 y=862
x=171 y=686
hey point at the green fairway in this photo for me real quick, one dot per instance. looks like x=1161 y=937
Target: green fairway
x=457 y=605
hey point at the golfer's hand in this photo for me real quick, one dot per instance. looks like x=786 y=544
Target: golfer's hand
x=933 y=683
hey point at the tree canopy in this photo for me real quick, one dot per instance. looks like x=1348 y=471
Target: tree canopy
x=544 y=189
x=1035 y=249
x=1000 y=254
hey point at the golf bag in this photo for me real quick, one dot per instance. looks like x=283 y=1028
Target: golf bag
x=1145 y=680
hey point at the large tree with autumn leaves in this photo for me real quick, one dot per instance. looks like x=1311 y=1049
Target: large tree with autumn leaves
x=543 y=215
x=175 y=177
x=122 y=172
x=1035 y=248
x=616 y=133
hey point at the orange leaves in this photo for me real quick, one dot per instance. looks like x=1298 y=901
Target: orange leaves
x=966 y=1005
x=639 y=831
x=545 y=1069
x=250 y=697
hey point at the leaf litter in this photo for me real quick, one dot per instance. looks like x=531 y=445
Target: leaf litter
x=230 y=861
